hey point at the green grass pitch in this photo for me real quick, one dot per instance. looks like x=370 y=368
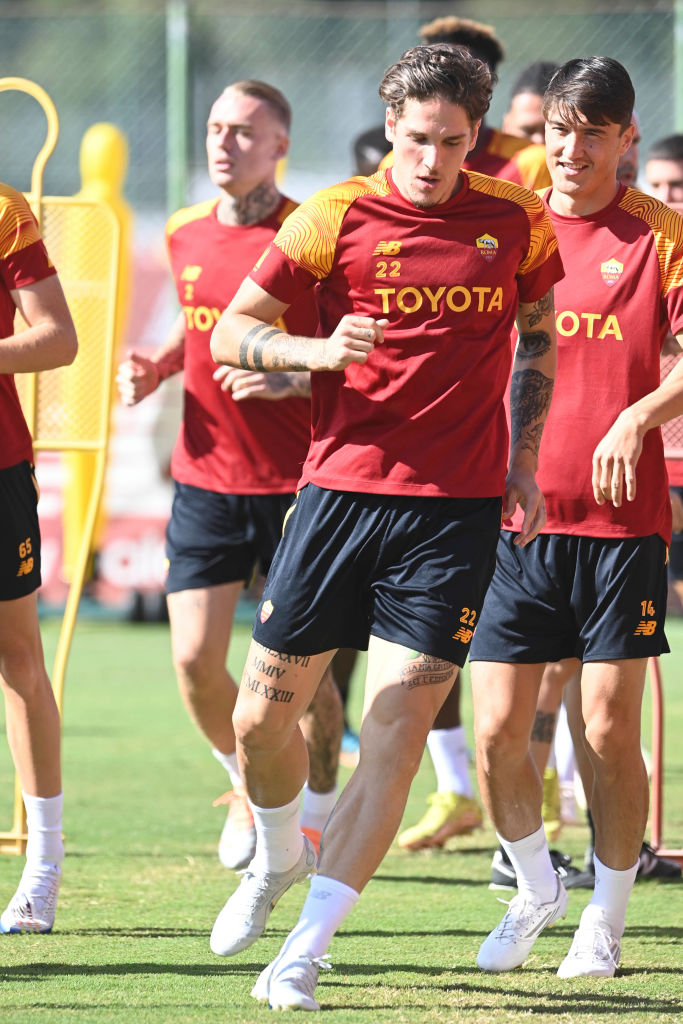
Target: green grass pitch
x=143 y=884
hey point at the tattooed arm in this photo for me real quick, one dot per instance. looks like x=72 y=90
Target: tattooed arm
x=531 y=388
x=244 y=337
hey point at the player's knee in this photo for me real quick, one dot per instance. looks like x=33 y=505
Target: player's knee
x=499 y=740
x=610 y=742
x=260 y=728
x=23 y=672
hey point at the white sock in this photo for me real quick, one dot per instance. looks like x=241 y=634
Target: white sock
x=279 y=841
x=611 y=893
x=448 y=750
x=328 y=903
x=564 y=747
x=229 y=762
x=316 y=808
x=44 y=825
x=531 y=860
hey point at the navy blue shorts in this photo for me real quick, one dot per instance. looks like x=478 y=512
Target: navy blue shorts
x=217 y=538
x=574 y=597
x=407 y=569
x=19 y=532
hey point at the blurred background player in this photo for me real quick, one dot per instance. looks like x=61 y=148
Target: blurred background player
x=524 y=116
x=453 y=809
x=240 y=447
x=29 y=285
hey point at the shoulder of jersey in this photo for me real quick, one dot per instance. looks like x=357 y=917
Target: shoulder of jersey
x=502 y=189
x=656 y=214
x=15 y=218
x=189 y=214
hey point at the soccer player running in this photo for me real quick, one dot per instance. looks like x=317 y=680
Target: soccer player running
x=28 y=284
x=241 y=443
x=419 y=273
x=593 y=585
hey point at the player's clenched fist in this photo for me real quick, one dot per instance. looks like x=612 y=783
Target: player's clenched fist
x=137 y=377
x=352 y=341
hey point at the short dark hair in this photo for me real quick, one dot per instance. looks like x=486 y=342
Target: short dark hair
x=368 y=150
x=669 y=148
x=598 y=89
x=450 y=72
x=269 y=94
x=479 y=39
x=535 y=78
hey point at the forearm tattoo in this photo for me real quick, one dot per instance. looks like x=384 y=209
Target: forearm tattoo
x=541 y=308
x=287 y=354
x=424 y=670
x=543 y=727
x=530 y=394
x=533 y=344
x=259 y=335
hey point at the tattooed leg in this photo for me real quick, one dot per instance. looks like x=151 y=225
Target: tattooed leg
x=276 y=690
x=403 y=692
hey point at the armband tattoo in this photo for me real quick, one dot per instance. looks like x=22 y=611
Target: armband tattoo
x=259 y=334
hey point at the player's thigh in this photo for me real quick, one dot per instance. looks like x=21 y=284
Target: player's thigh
x=404 y=690
x=201 y=622
x=275 y=691
x=21 y=651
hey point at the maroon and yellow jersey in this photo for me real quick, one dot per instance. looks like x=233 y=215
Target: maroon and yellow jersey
x=510 y=157
x=622 y=293
x=249 y=447
x=503 y=156
x=23 y=261
x=425 y=414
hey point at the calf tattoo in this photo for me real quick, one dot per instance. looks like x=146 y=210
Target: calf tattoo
x=544 y=727
x=424 y=670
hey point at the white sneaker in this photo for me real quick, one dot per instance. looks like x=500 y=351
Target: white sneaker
x=289 y=984
x=237 y=844
x=34 y=904
x=509 y=944
x=243 y=918
x=595 y=951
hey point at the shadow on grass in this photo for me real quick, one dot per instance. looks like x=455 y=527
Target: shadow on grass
x=427 y=880
x=36 y=972
x=604 y=999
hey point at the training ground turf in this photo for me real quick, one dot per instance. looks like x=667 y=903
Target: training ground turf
x=142 y=883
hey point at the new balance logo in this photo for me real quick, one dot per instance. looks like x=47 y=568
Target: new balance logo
x=646 y=627
x=25 y=567
x=387 y=249
x=190 y=273
x=464 y=635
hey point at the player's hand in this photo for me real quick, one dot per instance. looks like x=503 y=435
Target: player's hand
x=521 y=489
x=615 y=460
x=244 y=384
x=136 y=378
x=352 y=341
